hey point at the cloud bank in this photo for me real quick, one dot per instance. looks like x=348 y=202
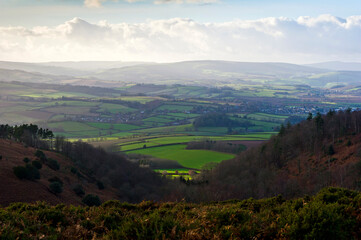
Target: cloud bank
x=98 y=3
x=301 y=40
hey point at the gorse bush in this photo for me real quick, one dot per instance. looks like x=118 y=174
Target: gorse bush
x=40 y=154
x=55 y=179
x=28 y=172
x=91 y=200
x=331 y=214
x=37 y=164
x=53 y=164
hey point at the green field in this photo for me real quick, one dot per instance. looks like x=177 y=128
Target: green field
x=115 y=126
x=187 y=158
x=69 y=126
x=114 y=108
x=165 y=140
x=181 y=108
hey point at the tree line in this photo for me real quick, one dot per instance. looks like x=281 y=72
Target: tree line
x=298 y=160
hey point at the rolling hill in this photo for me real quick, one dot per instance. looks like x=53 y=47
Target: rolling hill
x=337 y=66
x=204 y=73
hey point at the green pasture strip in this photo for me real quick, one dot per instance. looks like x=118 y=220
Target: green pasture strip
x=157 y=120
x=265 y=126
x=184 y=115
x=137 y=146
x=115 y=108
x=140 y=99
x=219 y=130
x=272 y=115
x=59 y=95
x=187 y=158
x=151 y=142
x=69 y=103
x=69 y=110
x=115 y=126
x=69 y=126
x=178 y=128
x=121 y=134
x=174 y=107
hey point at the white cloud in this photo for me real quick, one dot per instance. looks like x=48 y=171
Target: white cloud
x=93 y=3
x=98 y=3
x=304 y=39
x=186 y=1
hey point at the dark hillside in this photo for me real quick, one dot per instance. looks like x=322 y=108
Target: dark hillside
x=319 y=152
x=13 y=189
x=69 y=166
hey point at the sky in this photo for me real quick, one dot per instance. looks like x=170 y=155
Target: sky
x=178 y=30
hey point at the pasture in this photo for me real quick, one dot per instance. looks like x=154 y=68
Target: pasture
x=168 y=140
x=187 y=158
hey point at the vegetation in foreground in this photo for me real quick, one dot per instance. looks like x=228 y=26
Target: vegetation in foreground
x=332 y=214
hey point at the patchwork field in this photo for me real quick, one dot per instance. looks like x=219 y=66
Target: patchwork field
x=187 y=158
x=168 y=140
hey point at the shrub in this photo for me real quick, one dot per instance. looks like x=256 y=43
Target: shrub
x=53 y=164
x=26 y=160
x=73 y=170
x=349 y=143
x=56 y=187
x=78 y=189
x=28 y=172
x=20 y=172
x=91 y=200
x=1 y=157
x=100 y=185
x=40 y=155
x=33 y=172
x=55 y=179
x=37 y=164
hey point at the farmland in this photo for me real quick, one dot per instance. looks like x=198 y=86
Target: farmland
x=187 y=158
x=157 y=120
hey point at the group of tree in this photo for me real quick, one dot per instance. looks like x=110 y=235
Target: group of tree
x=133 y=183
x=219 y=120
x=27 y=133
x=298 y=160
x=220 y=146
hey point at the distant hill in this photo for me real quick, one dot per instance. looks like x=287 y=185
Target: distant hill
x=91 y=66
x=337 y=66
x=42 y=68
x=75 y=69
x=206 y=72
x=8 y=75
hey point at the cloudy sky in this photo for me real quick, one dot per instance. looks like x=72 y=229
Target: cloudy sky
x=175 y=30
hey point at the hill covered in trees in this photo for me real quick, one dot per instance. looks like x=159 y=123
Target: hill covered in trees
x=324 y=150
x=35 y=166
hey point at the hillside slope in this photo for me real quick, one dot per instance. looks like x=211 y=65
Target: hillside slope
x=301 y=159
x=13 y=189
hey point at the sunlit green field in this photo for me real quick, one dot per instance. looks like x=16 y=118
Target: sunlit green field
x=187 y=158
x=166 y=140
